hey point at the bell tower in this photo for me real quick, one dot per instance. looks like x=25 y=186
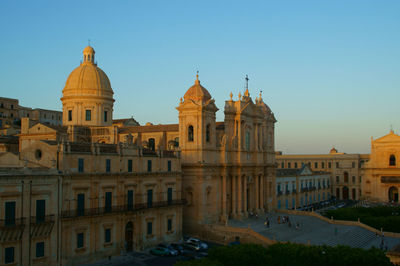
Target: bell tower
x=197 y=129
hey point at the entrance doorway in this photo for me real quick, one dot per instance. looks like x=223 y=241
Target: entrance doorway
x=393 y=194
x=129 y=236
x=345 y=193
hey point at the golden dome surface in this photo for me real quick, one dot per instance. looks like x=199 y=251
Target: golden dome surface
x=197 y=92
x=88 y=79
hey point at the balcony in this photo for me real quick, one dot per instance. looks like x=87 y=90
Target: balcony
x=42 y=219
x=287 y=192
x=11 y=223
x=304 y=189
x=120 y=209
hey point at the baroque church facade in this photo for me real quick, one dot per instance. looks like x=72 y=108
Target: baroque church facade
x=95 y=187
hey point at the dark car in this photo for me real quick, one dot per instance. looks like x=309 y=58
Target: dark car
x=192 y=246
x=178 y=247
x=172 y=250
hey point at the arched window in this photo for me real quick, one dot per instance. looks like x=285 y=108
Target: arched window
x=152 y=144
x=247 y=140
x=208 y=133
x=392 y=160
x=346 y=177
x=190 y=133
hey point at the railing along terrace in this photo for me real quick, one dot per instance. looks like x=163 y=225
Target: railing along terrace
x=42 y=219
x=12 y=222
x=120 y=208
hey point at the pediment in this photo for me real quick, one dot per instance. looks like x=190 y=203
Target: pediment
x=389 y=138
x=305 y=170
x=41 y=128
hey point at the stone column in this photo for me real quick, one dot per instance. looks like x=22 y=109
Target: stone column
x=239 y=191
x=245 y=196
x=262 y=193
x=224 y=197
x=257 y=187
x=233 y=195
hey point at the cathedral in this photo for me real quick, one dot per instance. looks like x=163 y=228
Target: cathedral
x=94 y=186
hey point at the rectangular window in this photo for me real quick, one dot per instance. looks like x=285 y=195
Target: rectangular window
x=316 y=165
x=81 y=165
x=169 y=166
x=130 y=199
x=108 y=201
x=40 y=210
x=169 y=196
x=353 y=179
x=289 y=165
x=130 y=166
x=108 y=165
x=322 y=165
x=149 y=228
x=10 y=213
x=107 y=235
x=79 y=240
x=105 y=116
x=169 y=225
x=88 y=115
x=282 y=165
x=80 y=208
x=295 y=165
x=359 y=180
x=329 y=165
x=337 y=179
x=9 y=255
x=149 y=198
x=69 y=115
x=353 y=164
x=39 y=249
x=148 y=165
x=337 y=165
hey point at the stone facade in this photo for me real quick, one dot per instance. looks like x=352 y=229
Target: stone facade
x=301 y=188
x=345 y=170
x=382 y=172
x=101 y=186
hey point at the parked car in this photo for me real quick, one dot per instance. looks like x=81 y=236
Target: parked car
x=178 y=247
x=192 y=246
x=159 y=251
x=173 y=251
x=202 y=245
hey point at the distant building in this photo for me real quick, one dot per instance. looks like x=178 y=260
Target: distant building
x=301 y=188
x=382 y=172
x=345 y=170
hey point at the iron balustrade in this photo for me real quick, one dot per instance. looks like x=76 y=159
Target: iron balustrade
x=43 y=219
x=8 y=223
x=119 y=208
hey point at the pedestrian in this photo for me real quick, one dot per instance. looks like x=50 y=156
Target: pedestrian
x=268 y=223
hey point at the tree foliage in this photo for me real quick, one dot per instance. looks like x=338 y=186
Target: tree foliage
x=385 y=217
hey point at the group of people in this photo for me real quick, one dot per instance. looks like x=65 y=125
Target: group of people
x=281 y=220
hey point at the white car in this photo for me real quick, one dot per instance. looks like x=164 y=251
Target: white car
x=193 y=240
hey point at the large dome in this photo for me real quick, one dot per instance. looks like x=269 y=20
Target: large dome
x=197 y=92
x=88 y=79
x=87 y=96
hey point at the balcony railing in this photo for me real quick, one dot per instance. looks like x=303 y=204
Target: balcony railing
x=120 y=208
x=9 y=223
x=42 y=219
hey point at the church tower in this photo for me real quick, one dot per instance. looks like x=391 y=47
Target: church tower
x=197 y=130
x=87 y=96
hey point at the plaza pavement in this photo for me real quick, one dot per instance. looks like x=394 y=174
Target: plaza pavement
x=314 y=231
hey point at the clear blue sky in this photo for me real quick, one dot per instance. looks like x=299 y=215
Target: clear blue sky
x=329 y=70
